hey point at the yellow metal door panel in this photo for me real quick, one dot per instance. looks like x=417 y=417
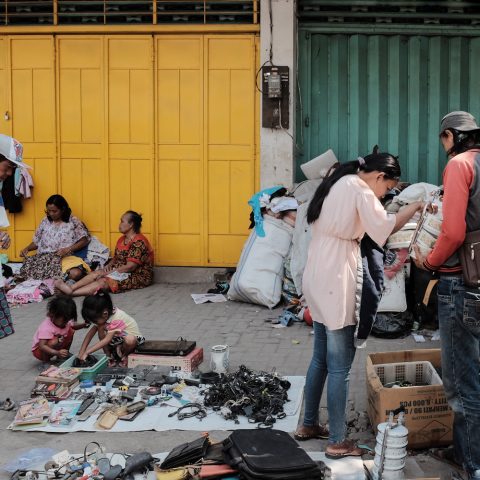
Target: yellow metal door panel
x=141 y=188
x=22 y=101
x=70 y=85
x=190 y=107
x=230 y=144
x=80 y=105
x=179 y=209
x=82 y=185
x=180 y=150
x=80 y=53
x=32 y=53
x=218 y=197
x=130 y=53
x=242 y=108
x=131 y=188
x=4 y=86
x=130 y=129
x=81 y=130
x=228 y=208
x=168 y=88
x=226 y=53
x=120 y=191
x=189 y=190
x=141 y=106
x=241 y=176
x=44 y=178
x=179 y=250
x=169 y=201
x=119 y=106
x=219 y=106
x=223 y=250
x=179 y=53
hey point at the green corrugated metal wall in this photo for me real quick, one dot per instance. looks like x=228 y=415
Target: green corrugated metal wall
x=358 y=90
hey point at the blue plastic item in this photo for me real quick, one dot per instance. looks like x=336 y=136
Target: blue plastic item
x=35 y=457
x=87 y=383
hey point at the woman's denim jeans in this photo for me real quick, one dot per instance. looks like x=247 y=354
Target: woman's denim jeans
x=459 y=319
x=333 y=353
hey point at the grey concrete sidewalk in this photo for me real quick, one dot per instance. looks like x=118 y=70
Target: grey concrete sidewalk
x=166 y=311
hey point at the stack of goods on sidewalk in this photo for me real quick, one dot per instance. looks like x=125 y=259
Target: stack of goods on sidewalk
x=56 y=383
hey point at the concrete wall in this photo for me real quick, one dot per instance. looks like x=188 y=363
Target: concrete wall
x=277 y=150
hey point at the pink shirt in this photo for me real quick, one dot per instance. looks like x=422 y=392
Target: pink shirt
x=48 y=330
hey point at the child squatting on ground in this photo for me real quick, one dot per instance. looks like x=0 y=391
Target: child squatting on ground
x=54 y=335
x=118 y=332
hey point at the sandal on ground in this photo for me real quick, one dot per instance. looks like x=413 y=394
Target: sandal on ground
x=7 y=405
x=445 y=455
x=347 y=448
x=309 y=433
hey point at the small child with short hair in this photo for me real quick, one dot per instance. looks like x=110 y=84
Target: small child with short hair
x=118 y=332
x=54 y=335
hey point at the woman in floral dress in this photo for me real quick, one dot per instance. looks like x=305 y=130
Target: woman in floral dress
x=59 y=241
x=130 y=268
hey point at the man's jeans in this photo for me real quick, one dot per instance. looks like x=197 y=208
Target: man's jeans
x=459 y=319
x=333 y=353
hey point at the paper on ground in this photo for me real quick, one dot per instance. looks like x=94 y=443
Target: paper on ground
x=208 y=297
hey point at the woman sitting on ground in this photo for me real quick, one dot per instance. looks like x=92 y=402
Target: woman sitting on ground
x=60 y=242
x=130 y=268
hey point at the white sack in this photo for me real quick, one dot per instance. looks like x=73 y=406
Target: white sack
x=259 y=274
x=318 y=167
x=393 y=298
x=305 y=190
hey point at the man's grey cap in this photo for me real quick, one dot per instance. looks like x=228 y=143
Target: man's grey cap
x=461 y=121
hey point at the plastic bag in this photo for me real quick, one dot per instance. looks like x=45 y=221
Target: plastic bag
x=35 y=457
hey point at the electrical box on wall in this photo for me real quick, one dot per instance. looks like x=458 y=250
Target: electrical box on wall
x=275 y=97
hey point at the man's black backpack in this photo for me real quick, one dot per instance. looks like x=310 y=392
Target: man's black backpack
x=270 y=455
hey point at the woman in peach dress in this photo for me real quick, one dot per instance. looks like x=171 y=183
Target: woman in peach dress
x=345 y=207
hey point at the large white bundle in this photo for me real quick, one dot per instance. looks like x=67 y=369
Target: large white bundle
x=393 y=298
x=259 y=274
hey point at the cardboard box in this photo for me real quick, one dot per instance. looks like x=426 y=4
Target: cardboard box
x=187 y=363
x=428 y=417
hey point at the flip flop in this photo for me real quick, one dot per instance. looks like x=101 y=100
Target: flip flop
x=318 y=432
x=347 y=448
x=7 y=405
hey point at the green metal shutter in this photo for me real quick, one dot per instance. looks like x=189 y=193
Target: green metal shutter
x=358 y=90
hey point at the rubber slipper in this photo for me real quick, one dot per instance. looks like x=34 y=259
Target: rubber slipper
x=7 y=405
x=317 y=433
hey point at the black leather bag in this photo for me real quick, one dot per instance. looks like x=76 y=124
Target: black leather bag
x=186 y=454
x=180 y=347
x=269 y=455
x=470 y=259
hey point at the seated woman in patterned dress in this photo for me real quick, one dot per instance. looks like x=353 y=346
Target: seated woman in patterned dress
x=130 y=268
x=60 y=242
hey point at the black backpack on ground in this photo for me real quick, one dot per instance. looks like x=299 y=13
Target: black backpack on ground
x=268 y=455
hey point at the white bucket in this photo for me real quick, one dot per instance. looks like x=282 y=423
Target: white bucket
x=219 y=358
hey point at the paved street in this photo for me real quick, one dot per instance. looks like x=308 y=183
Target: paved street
x=166 y=311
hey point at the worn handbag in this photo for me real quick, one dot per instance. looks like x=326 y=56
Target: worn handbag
x=179 y=347
x=470 y=259
x=186 y=454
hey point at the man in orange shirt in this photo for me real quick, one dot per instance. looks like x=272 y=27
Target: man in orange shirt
x=458 y=305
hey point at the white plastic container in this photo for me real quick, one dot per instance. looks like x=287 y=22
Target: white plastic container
x=416 y=373
x=220 y=358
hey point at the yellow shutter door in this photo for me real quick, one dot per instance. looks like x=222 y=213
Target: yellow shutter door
x=80 y=97
x=205 y=147
x=130 y=130
x=230 y=149
x=180 y=156
x=32 y=93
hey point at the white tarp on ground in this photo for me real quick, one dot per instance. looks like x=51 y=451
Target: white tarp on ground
x=156 y=418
